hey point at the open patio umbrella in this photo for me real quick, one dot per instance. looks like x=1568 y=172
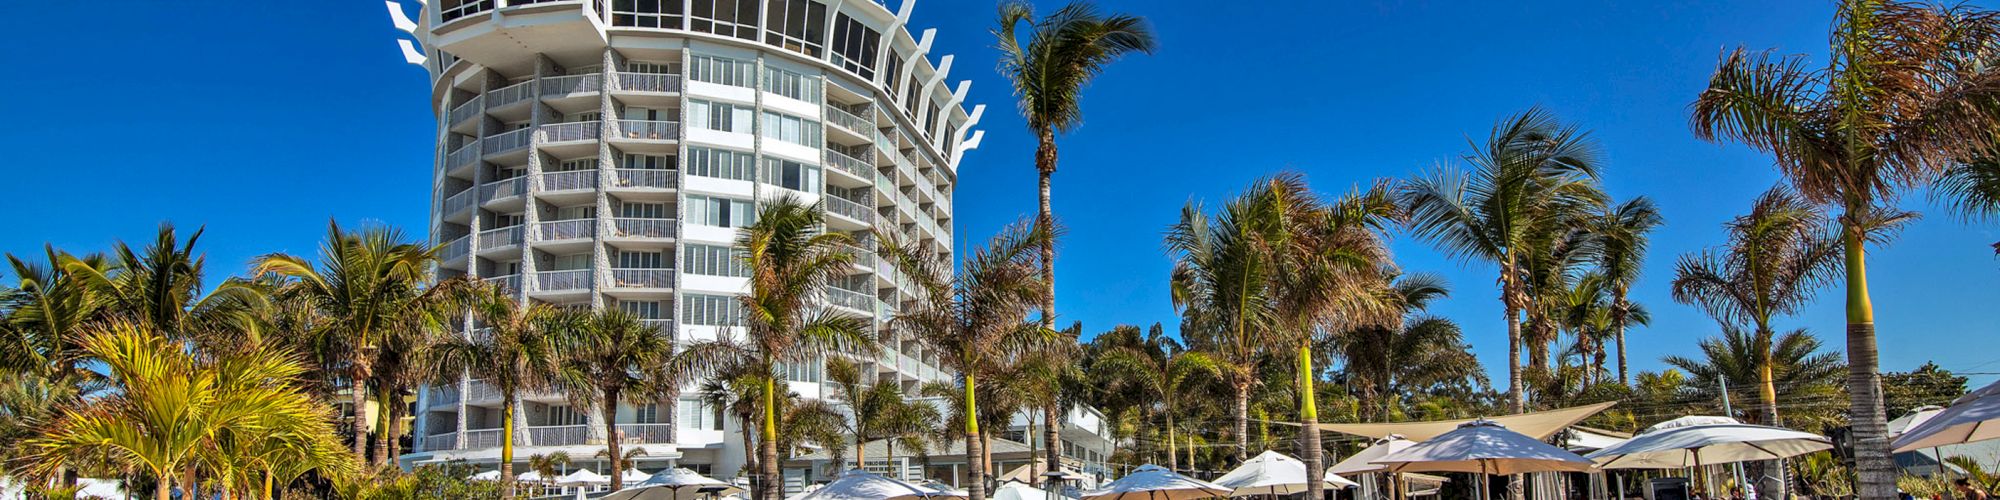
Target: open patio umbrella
x=530 y=477
x=582 y=477
x=1484 y=447
x=1364 y=461
x=491 y=475
x=1675 y=447
x=1153 y=482
x=1016 y=490
x=633 y=476
x=674 y=484
x=1970 y=418
x=863 y=485
x=1273 y=473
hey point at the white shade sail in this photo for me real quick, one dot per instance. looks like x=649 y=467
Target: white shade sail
x=1363 y=462
x=1674 y=447
x=1485 y=447
x=1273 y=473
x=863 y=485
x=1970 y=418
x=673 y=484
x=1153 y=482
x=1538 y=425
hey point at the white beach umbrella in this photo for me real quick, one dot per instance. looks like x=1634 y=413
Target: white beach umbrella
x=863 y=485
x=1675 y=447
x=673 y=484
x=1273 y=473
x=491 y=475
x=1016 y=490
x=633 y=476
x=1153 y=482
x=582 y=477
x=1364 y=461
x=1972 y=417
x=530 y=477
x=1484 y=447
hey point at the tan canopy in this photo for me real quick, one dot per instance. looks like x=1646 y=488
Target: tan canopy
x=1539 y=425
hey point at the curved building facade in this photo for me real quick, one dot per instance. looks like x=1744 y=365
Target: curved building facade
x=602 y=154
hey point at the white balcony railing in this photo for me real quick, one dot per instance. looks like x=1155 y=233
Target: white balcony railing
x=646 y=433
x=859 y=167
x=510 y=94
x=510 y=283
x=570 y=84
x=569 y=180
x=666 y=326
x=553 y=281
x=461 y=201
x=643 y=228
x=558 y=435
x=506 y=141
x=569 y=131
x=646 y=178
x=649 y=130
x=503 y=188
x=642 y=278
x=500 y=237
x=443 y=396
x=850 y=209
x=445 y=441
x=649 y=82
x=469 y=109
x=479 y=438
x=843 y=119
x=566 y=229
x=455 y=249
x=850 y=299
x=462 y=156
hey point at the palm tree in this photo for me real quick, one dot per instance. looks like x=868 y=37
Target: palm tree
x=517 y=353
x=1906 y=94
x=547 y=466
x=1061 y=53
x=792 y=260
x=972 y=319
x=1051 y=383
x=366 y=282
x=47 y=310
x=1777 y=259
x=1810 y=379
x=1163 y=379
x=173 y=409
x=1532 y=173
x=617 y=359
x=1621 y=253
x=1219 y=285
x=1972 y=189
x=1417 y=351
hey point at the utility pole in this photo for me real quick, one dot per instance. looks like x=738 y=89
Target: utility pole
x=1722 y=382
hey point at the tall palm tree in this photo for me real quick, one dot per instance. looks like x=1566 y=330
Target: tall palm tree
x=1048 y=65
x=1778 y=257
x=47 y=310
x=365 y=282
x=1163 y=379
x=549 y=466
x=972 y=319
x=1621 y=254
x=1051 y=382
x=1532 y=173
x=1417 y=351
x=617 y=359
x=517 y=353
x=1220 y=286
x=1907 y=91
x=173 y=409
x=792 y=261
x=1809 y=378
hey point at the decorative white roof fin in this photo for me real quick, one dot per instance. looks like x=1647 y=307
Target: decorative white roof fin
x=411 y=54
x=399 y=18
x=903 y=11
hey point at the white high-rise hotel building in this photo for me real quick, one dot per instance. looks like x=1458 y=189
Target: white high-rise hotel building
x=603 y=153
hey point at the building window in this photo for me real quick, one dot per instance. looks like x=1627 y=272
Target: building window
x=714 y=310
x=930 y=120
x=792 y=175
x=646 y=162
x=454 y=9
x=646 y=13
x=641 y=260
x=719 y=163
x=577 y=164
x=737 y=18
x=911 y=91
x=854 y=46
x=631 y=210
x=569 y=262
x=891 y=69
x=722 y=71
x=719 y=212
x=791 y=129
x=653 y=68
x=713 y=260
x=644 y=310
x=800 y=372
x=565 y=415
x=795 y=25
x=696 y=415
x=721 y=116
x=648 y=413
x=793 y=85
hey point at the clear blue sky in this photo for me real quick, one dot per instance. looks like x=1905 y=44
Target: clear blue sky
x=262 y=120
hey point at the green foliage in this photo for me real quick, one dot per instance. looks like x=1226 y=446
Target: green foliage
x=1928 y=385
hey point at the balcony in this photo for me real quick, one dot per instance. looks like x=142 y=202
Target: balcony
x=460 y=157
x=642 y=278
x=459 y=202
x=558 y=435
x=643 y=228
x=649 y=82
x=510 y=94
x=510 y=283
x=438 y=442
x=570 y=84
x=443 y=396
x=850 y=209
x=649 y=130
x=479 y=438
x=569 y=180
x=566 y=229
x=665 y=326
x=556 y=281
x=569 y=131
x=646 y=433
x=503 y=188
x=466 y=111
x=646 y=178
x=850 y=299
x=505 y=141
x=496 y=238
x=843 y=119
x=860 y=168
x=455 y=250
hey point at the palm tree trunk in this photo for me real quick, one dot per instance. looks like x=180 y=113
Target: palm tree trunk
x=1618 y=311
x=608 y=409
x=267 y=485
x=1052 y=433
x=1173 y=449
x=1768 y=393
x=768 y=444
x=1045 y=166
x=1242 y=414
x=376 y=447
x=1874 y=472
x=163 y=485
x=974 y=452
x=1309 y=448
x=1513 y=311
x=395 y=427
x=357 y=390
x=507 y=446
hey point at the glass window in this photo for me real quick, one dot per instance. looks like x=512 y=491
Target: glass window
x=648 y=413
x=646 y=13
x=791 y=129
x=736 y=18
x=696 y=415
x=565 y=415
x=793 y=85
x=646 y=162
x=644 y=310
x=792 y=175
x=715 y=310
x=632 y=210
x=719 y=212
x=713 y=260
x=854 y=46
x=721 y=116
x=795 y=25
x=891 y=69
x=719 y=163
x=669 y=68
x=577 y=164
x=570 y=262
x=721 y=70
